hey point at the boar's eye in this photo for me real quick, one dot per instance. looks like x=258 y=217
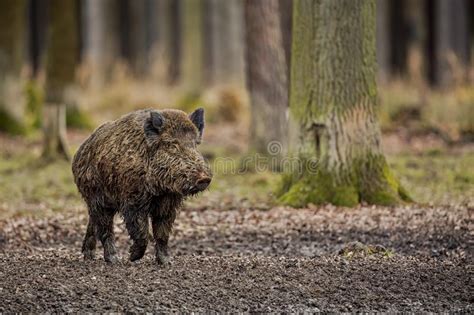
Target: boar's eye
x=197 y=117
x=154 y=124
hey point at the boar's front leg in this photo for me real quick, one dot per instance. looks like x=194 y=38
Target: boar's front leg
x=162 y=226
x=136 y=222
x=162 y=219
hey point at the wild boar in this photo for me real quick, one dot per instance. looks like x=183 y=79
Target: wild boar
x=142 y=165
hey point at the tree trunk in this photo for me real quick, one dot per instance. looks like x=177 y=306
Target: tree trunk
x=61 y=60
x=286 y=22
x=333 y=108
x=451 y=42
x=138 y=37
x=417 y=39
x=224 y=52
x=174 y=69
x=100 y=39
x=12 y=48
x=133 y=39
x=37 y=34
x=192 y=45
x=398 y=32
x=160 y=38
x=266 y=77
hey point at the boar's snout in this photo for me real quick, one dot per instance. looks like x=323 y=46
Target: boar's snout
x=203 y=182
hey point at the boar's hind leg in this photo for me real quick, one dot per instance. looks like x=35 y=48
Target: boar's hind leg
x=137 y=226
x=104 y=222
x=162 y=224
x=89 y=244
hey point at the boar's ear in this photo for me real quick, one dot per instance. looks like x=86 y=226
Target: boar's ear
x=197 y=117
x=154 y=124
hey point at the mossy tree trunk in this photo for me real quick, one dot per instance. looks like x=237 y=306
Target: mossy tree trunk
x=61 y=61
x=266 y=75
x=12 y=48
x=333 y=108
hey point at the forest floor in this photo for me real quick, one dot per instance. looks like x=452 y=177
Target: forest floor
x=234 y=250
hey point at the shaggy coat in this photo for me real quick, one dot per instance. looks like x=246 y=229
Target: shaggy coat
x=142 y=165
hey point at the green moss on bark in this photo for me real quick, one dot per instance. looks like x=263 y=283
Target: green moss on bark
x=321 y=187
x=318 y=189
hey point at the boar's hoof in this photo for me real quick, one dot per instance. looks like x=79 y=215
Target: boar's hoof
x=163 y=259
x=112 y=259
x=89 y=254
x=137 y=251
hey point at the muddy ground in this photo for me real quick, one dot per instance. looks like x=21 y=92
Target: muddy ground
x=407 y=259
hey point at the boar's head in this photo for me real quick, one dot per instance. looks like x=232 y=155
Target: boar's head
x=174 y=163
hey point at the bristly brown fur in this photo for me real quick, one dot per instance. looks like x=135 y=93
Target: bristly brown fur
x=142 y=165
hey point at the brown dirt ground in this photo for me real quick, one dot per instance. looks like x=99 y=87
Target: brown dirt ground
x=280 y=259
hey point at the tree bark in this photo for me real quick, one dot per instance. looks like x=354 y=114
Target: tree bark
x=61 y=60
x=333 y=108
x=224 y=49
x=12 y=53
x=266 y=76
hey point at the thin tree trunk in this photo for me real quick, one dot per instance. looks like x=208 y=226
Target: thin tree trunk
x=417 y=36
x=100 y=38
x=333 y=108
x=174 y=69
x=192 y=58
x=160 y=35
x=286 y=22
x=224 y=49
x=61 y=60
x=133 y=39
x=37 y=34
x=398 y=37
x=12 y=48
x=266 y=76
x=138 y=37
x=451 y=42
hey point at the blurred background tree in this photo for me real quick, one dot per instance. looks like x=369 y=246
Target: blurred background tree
x=12 y=53
x=266 y=74
x=61 y=61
